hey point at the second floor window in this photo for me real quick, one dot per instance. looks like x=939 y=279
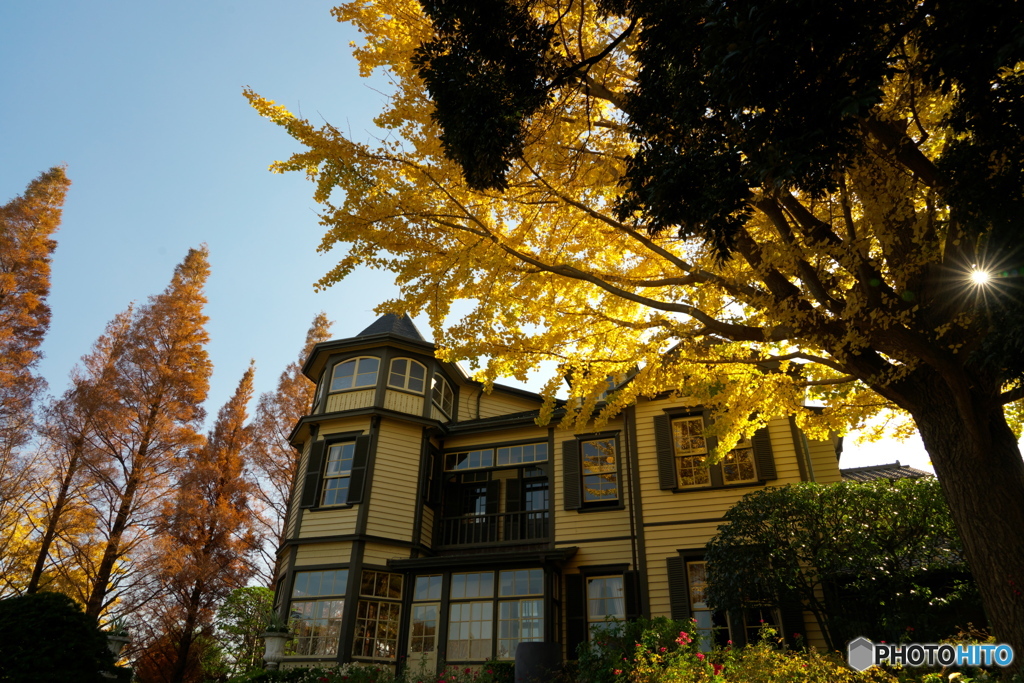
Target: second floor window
x=357 y=373
x=407 y=374
x=600 y=471
x=442 y=395
x=337 y=473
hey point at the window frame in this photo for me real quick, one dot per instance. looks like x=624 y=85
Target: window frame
x=316 y=599
x=445 y=386
x=604 y=619
x=573 y=490
x=326 y=477
x=492 y=604
x=758 y=448
x=355 y=374
x=407 y=375
x=392 y=604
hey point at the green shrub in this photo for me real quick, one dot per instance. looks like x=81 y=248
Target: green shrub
x=47 y=637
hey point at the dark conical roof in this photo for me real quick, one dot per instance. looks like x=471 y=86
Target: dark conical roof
x=389 y=323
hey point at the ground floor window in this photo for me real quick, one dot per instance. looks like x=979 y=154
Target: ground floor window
x=606 y=601
x=490 y=613
x=378 y=615
x=317 y=604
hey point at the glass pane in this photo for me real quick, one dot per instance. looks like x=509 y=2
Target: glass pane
x=344 y=373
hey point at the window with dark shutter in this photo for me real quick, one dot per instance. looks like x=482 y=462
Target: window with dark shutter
x=575 y=613
x=682 y=448
x=357 y=482
x=763 y=456
x=571 y=475
x=666 y=453
x=311 y=484
x=678 y=589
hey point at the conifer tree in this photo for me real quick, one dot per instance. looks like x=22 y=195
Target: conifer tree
x=27 y=225
x=159 y=383
x=69 y=448
x=272 y=456
x=207 y=533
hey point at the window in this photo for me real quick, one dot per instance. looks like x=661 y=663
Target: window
x=697 y=584
x=338 y=473
x=315 y=616
x=442 y=395
x=520 y=620
x=683 y=450
x=738 y=464
x=606 y=601
x=506 y=456
x=407 y=374
x=426 y=596
x=691 y=449
x=517 y=455
x=378 y=618
x=469 y=460
x=590 y=473
x=470 y=623
x=600 y=471
x=355 y=374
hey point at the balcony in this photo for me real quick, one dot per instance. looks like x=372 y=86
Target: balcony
x=502 y=527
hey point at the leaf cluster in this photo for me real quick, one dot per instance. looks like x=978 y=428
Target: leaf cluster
x=879 y=556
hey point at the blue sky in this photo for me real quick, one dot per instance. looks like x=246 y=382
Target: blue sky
x=142 y=101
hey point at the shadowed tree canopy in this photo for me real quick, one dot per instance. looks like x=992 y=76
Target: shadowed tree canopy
x=753 y=203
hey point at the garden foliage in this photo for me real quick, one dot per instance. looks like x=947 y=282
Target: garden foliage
x=879 y=559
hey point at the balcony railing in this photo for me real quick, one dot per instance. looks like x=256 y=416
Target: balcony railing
x=494 y=528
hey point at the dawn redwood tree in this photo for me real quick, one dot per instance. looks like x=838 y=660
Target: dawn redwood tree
x=754 y=203
x=207 y=533
x=143 y=434
x=271 y=456
x=28 y=223
x=27 y=226
x=70 y=450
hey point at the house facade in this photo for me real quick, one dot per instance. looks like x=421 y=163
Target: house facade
x=432 y=522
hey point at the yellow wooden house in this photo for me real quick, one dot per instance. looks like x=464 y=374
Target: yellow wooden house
x=433 y=522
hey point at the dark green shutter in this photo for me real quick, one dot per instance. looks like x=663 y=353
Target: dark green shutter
x=575 y=613
x=357 y=482
x=678 y=588
x=792 y=615
x=738 y=627
x=666 y=453
x=631 y=589
x=314 y=465
x=515 y=525
x=717 y=480
x=512 y=490
x=763 y=457
x=571 y=475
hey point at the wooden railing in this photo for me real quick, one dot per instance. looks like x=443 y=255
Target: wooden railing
x=532 y=525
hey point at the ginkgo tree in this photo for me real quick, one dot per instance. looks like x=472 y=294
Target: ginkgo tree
x=756 y=205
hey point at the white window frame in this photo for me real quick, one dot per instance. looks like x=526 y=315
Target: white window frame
x=357 y=373
x=406 y=378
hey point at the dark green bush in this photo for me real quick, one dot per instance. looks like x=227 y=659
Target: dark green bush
x=45 y=637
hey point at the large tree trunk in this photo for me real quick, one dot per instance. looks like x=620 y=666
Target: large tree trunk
x=979 y=466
